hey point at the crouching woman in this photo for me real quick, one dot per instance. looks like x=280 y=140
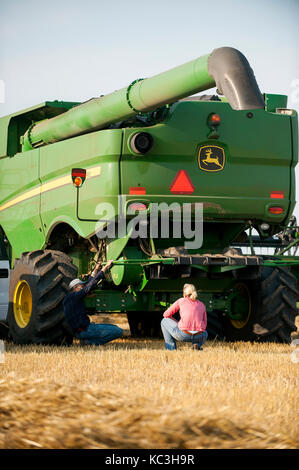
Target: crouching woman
x=191 y=328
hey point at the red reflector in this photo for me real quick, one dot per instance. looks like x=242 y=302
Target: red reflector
x=182 y=183
x=214 y=120
x=277 y=195
x=137 y=206
x=78 y=181
x=137 y=190
x=78 y=172
x=78 y=176
x=276 y=210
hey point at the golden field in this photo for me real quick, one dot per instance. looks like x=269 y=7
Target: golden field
x=132 y=394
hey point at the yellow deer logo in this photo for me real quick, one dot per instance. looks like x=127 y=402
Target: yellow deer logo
x=210 y=159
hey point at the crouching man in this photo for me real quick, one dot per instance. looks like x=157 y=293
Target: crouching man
x=76 y=316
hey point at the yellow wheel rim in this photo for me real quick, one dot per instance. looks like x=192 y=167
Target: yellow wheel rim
x=22 y=304
x=243 y=305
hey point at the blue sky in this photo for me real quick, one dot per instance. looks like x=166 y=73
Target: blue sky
x=74 y=50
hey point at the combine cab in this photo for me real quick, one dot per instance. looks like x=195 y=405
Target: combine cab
x=167 y=184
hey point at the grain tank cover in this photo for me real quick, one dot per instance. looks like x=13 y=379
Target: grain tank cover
x=13 y=126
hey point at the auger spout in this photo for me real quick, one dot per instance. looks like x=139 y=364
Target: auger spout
x=225 y=67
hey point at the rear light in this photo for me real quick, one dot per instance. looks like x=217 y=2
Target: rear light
x=214 y=120
x=276 y=210
x=277 y=195
x=78 y=176
x=136 y=190
x=137 y=206
x=78 y=181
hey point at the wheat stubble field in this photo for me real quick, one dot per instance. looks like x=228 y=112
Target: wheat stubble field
x=132 y=394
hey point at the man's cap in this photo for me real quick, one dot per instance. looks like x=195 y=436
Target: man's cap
x=75 y=282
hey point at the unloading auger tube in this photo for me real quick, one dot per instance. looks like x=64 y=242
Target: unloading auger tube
x=226 y=68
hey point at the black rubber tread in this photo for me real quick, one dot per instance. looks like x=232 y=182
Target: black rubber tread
x=289 y=285
x=51 y=286
x=274 y=309
x=277 y=308
x=48 y=273
x=273 y=313
x=3 y=330
x=145 y=324
x=214 y=325
x=149 y=325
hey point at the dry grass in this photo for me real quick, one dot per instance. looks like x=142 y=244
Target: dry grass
x=134 y=394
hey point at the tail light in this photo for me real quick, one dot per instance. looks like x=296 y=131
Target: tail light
x=214 y=120
x=137 y=206
x=78 y=176
x=276 y=210
x=276 y=194
x=137 y=190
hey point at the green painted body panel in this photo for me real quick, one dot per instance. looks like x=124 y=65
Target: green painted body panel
x=272 y=102
x=28 y=224
x=13 y=126
x=258 y=161
x=98 y=150
x=260 y=156
x=21 y=222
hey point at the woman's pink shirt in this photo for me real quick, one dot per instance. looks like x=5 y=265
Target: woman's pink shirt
x=192 y=312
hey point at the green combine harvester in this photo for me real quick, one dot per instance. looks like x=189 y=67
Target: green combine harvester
x=72 y=175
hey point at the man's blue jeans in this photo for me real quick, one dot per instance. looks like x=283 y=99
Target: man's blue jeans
x=171 y=333
x=100 y=333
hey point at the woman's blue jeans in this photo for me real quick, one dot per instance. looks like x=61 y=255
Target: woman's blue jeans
x=100 y=333
x=172 y=333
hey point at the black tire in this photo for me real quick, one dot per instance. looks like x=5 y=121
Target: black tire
x=3 y=330
x=145 y=324
x=214 y=326
x=277 y=308
x=242 y=329
x=46 y=275
x=148 y=324
x=272 y=308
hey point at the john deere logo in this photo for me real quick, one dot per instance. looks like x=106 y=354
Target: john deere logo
x=211 y=158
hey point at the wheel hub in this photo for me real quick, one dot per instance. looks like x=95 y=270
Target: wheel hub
x=240 y=306
x=22 y=304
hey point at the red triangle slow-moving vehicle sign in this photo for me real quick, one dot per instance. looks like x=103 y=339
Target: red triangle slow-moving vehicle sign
x=182 y=183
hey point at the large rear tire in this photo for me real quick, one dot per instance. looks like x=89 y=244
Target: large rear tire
x=214 y=325
x=38 y=285
x=277 y=308
x=268 y=307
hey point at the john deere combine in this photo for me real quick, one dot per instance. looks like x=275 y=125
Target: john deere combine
x=81 y=182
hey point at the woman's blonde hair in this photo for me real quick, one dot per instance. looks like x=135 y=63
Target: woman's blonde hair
x=190 y=291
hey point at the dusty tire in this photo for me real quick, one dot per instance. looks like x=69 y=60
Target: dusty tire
x=277 y=309
x=272 y=300
x=214 y=325
x=38 y=286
